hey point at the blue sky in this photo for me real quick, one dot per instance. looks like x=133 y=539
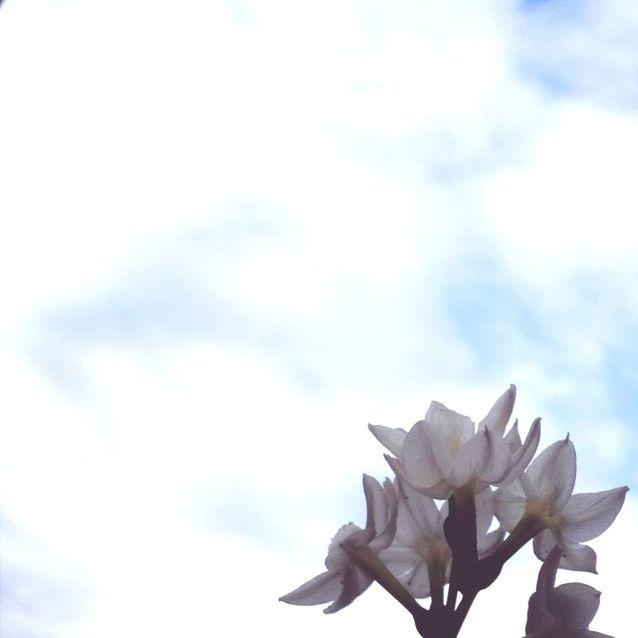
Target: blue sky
x=234 y=233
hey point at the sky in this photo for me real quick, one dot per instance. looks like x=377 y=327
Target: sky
x=233 y=233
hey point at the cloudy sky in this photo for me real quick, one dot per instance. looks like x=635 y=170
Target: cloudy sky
x=235 y=232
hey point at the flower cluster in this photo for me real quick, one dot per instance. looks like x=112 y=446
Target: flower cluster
x=464 y=500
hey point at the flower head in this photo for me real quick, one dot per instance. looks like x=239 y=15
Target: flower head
x=542 y=501
x=344 y=579
x=445 y=451
x=420 y=556
x=564 y=611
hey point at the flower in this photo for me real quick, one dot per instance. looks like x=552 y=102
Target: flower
x=564 y=611
x=344 y=579
x=444 y=452
x=420 y=556
x=541 y=505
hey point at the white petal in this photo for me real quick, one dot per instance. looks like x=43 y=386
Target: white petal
x=337 y=557
x=423 y=511
x=575 y=604
x=387 y=527
x=354 y=582
x=418 y=456
x=376 y=506
x=455 y=428
x=320 y=589
x=400 y=560
x=522 y=456
x=513 y=438
x=484 y=504
x=509 y=505
x=575 y=556
x=500 y=413
x=472 y=460
x=588 y=515
x=581 y=558
x=418 y=582
x=550 y=478
x=488 y=543
x=391 y=438
x=498 y=461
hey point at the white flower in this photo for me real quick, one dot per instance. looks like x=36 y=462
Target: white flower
x=542 y=505
x=419 y=555
x=444 y=451
x=564 y=611
x=344 y=579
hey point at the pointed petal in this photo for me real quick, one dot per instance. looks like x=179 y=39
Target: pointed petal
x=320 y=589
x=500 y=413
x=574 y=556
x=575 y=604
x=354 y=582
x=521 y=457
x=499 y=459
x=387 y=527
x=377 y=507
x=581 y=558
x=391 y=438
x=588 y=515
x=551 y=476
x=513 y=438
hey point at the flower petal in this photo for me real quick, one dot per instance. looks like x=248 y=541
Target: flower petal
x=354 y=582
x=513 y=438
x=488 y=543
x=484 y=505
x=391 y=438
x=509 y=504
x=418 y=455
x=500 y=412
x=376 y=504
x=551 y=476
x=472 y=460
x=522 y=456
x=575 y=605
x=588 y=515
x=422 y=510
x=418 y=582
x=320 y=589
x=499 y=459
x=456 y=429
x=575 y=556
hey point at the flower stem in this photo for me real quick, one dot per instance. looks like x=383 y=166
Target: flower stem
x=370 y=562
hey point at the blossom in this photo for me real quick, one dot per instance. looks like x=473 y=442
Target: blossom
x=564 y=611
x=420 y=556
x=344 y=579
x=445 y=451
x=541 y=505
